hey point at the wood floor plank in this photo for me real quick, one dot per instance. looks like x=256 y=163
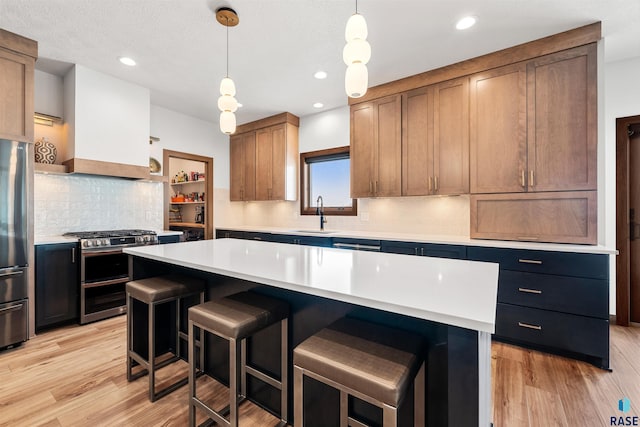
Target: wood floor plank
x=75 y=376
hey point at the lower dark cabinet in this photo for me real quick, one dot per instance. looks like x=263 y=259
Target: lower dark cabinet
x=173 y=238
x=57 y=285
x=435 y=250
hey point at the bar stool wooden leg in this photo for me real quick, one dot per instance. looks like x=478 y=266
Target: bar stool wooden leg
x=389 y=416
x=192 y=372
x=129 y=338
x=298 y=397
x=344 y=409
x=152 y=352
x=284 y=370
x=419 y=384
x=234 y=380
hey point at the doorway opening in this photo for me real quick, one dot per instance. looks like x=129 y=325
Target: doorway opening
x=628 y=220
x=188 y=200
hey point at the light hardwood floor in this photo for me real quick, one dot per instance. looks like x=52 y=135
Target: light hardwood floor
x=75 y=376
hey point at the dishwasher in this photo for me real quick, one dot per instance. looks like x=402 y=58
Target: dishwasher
x=357 y=244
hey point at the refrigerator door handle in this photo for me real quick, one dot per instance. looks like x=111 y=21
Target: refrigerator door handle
x=11 y=273
x=12 y=308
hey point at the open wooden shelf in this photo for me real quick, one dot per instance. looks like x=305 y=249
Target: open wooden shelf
x=189 y=182
x=186 y=224
x=187 y=203
x=46 y=168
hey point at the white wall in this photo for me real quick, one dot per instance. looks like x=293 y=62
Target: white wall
x=179 y=132
x=48 y=94
x=622 y=99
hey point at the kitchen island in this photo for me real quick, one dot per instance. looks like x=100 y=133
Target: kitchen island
x=451 y=302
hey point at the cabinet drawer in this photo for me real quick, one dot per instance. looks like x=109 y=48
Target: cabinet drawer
x=233 y=234
x=569 y=332
x=587 y=297
x=424 y=249
x=595 y=266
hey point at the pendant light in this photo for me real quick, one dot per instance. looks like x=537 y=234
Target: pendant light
x=227 y=102
x=356 y=54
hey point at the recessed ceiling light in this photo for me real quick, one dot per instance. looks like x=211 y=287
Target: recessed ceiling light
x=239 y=105
x=320 y=75
x=318 y=105
x=127 y=61
x=466 y=22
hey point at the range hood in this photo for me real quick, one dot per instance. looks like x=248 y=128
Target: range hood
x=107 y=125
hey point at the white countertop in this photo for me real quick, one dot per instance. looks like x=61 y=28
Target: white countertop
x=52 y=240
x=429 y=238
x=454 y=292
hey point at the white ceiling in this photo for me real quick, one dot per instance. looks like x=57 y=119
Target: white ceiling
x=279 y=44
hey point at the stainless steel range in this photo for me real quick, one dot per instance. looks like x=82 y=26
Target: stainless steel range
x=104 y=270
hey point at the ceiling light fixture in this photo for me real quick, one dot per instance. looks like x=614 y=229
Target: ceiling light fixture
x=127 y=61
x=466 y=22
x=320 y=75
x=356 y=54
x=227 y=103
x=318 y=105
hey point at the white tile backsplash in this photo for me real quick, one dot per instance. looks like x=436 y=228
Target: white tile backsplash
x=66 y=203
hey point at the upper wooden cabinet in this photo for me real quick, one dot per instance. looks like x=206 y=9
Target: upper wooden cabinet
x=17 y=60
x=562 y=120
x=376 y=148
x=264 y=159
x=435 y=139
x=243 y=167
x=533 y=125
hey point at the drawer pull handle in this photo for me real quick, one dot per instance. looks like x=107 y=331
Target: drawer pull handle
x=530 y=261
x=528 y=326
x=11 y=273
x=530 y=291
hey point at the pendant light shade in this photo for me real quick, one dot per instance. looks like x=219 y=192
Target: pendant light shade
x=227 y=122
x=227 y=87
x=227 y=103
x=356 y=80
x=356 y=28
x=356 y=55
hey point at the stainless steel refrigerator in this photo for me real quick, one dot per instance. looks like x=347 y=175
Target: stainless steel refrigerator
x=14 y=247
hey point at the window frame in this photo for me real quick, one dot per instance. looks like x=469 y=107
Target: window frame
x=306 y=205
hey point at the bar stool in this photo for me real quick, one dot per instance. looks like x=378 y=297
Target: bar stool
x=153 y=292
x=371 y=362
x=236 y=318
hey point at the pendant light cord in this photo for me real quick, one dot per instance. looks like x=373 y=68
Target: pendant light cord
x=228 y=46
x=356 y=6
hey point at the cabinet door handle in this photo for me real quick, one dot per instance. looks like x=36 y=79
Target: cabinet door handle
x=528 y=326
x=531 y=180
x=530 y=261
x=530 y=291
x=430 y=184
x=73 y=255
x=421 y=251
x=416 y=251
x=375 y=187
x=435 y=183
x=523 y=182
x=370 y=187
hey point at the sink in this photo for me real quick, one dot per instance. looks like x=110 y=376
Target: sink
x=313 y=231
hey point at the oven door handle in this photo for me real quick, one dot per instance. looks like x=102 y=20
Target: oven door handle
x=101 y=252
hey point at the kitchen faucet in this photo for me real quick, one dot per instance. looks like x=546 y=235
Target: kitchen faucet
x=320 y=211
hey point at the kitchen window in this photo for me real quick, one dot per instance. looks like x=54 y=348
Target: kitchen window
x=326 y=173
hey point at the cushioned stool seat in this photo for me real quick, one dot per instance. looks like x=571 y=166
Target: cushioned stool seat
x=236 y=318
x=154 y=291
x=372 y=362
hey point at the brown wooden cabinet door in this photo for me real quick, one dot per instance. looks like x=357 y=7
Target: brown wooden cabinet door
x=264 y=163
x=388 y=138
x=278 y=165
x=498 y=130
x=242 y=153
x=236 y=168
x=451 y=137
x=417 y=142
x=562 y=120
x=16 y=102
x=362 y=150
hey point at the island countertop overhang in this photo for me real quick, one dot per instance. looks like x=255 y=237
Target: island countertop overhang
x=454 y=292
